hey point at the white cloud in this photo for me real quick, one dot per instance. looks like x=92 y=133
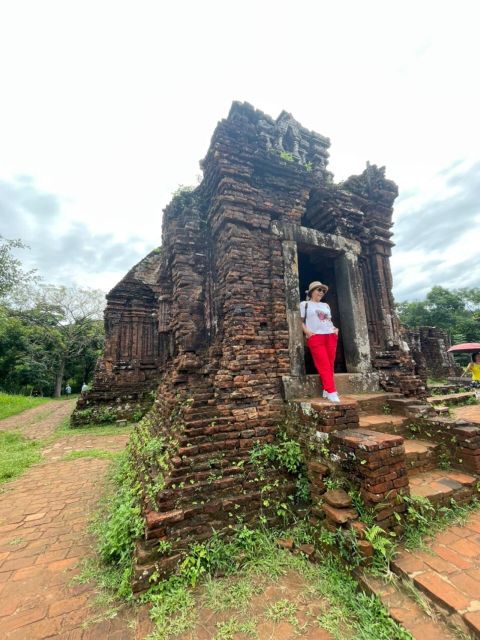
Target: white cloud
x=110 y=105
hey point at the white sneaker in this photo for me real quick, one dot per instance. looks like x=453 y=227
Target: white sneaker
x=333 y=397
x=324 y=394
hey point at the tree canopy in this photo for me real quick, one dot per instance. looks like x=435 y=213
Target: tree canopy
x=457 y=311
x=48 y=334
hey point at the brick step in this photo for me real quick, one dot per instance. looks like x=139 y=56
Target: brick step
x=373 y=402
x=448 y=572
x=445 y=388
x=401 y=404
x=383 y=423
x=405 y=610
x=441 y=486
x=421 y=456
x=323 y=402
x=325 y=416
x=453 y=398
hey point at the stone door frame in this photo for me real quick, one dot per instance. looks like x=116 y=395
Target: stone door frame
x=353 y=319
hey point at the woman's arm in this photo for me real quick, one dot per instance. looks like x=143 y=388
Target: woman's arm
x=303 y=316
x=306 y=330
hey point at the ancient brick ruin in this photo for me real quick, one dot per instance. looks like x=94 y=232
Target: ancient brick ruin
x=211 y=321
x=429 y=349
x=220 y=299
x=135 y=347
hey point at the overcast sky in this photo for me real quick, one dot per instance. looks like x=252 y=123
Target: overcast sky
x=106 y=107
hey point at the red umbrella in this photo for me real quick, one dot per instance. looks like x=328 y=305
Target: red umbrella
x=465 y=347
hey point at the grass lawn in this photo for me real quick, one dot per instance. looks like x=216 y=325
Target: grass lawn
x=11 y=405
x=16 y=454
x=65 y=429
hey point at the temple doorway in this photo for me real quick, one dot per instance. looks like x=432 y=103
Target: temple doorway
x=315 y=263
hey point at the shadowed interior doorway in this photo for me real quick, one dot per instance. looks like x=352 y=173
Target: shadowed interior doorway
x=318 y=264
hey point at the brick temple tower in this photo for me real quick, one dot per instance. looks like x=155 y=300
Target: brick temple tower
x=214 y=315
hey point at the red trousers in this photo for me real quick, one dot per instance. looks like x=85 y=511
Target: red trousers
x=323 y=348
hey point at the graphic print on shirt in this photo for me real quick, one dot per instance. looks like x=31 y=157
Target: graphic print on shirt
x=321 y=315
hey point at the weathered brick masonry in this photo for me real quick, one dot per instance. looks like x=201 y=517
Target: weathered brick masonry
x=429 y=349
x=135 y=347
x=218 y=322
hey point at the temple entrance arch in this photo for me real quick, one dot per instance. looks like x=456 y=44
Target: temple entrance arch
x=309 y=255
x=315 y=263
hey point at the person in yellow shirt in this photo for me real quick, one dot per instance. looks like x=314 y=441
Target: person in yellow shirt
x=474 y=369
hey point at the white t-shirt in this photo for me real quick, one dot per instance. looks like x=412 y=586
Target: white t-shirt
x=319 y=317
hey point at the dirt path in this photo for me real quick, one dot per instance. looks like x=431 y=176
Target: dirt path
x=43 y=536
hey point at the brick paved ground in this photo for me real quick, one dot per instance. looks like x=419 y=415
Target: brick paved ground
x=408 y=612
x=468 y=412
x=43 y=522
x=448 y=571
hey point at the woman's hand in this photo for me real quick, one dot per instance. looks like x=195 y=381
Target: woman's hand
x=335 y=330
x=308 y=333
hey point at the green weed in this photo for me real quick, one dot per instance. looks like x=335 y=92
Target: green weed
x=105 y=415
x=17 y=453
x=287 y=156
x=285 y=454
x=332 y=483
x=228 y=629
x=117 y=525
x=173 y=609
x=444 y=459
x=249 y=559
x=282 y=610
x=423 y=520
x=383 y=549
x=352 y=612
x=230 y=593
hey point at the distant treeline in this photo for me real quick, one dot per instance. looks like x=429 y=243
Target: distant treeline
x=456 y=310
x=49 y=335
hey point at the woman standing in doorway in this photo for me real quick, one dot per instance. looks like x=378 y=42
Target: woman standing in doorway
x=321 y=336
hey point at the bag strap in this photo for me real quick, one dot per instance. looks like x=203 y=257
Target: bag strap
x=305 y=318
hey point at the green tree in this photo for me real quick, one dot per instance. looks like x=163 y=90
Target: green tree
x=457 y=311
x=47 y=332
x=58 y=336
x=75 y=315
